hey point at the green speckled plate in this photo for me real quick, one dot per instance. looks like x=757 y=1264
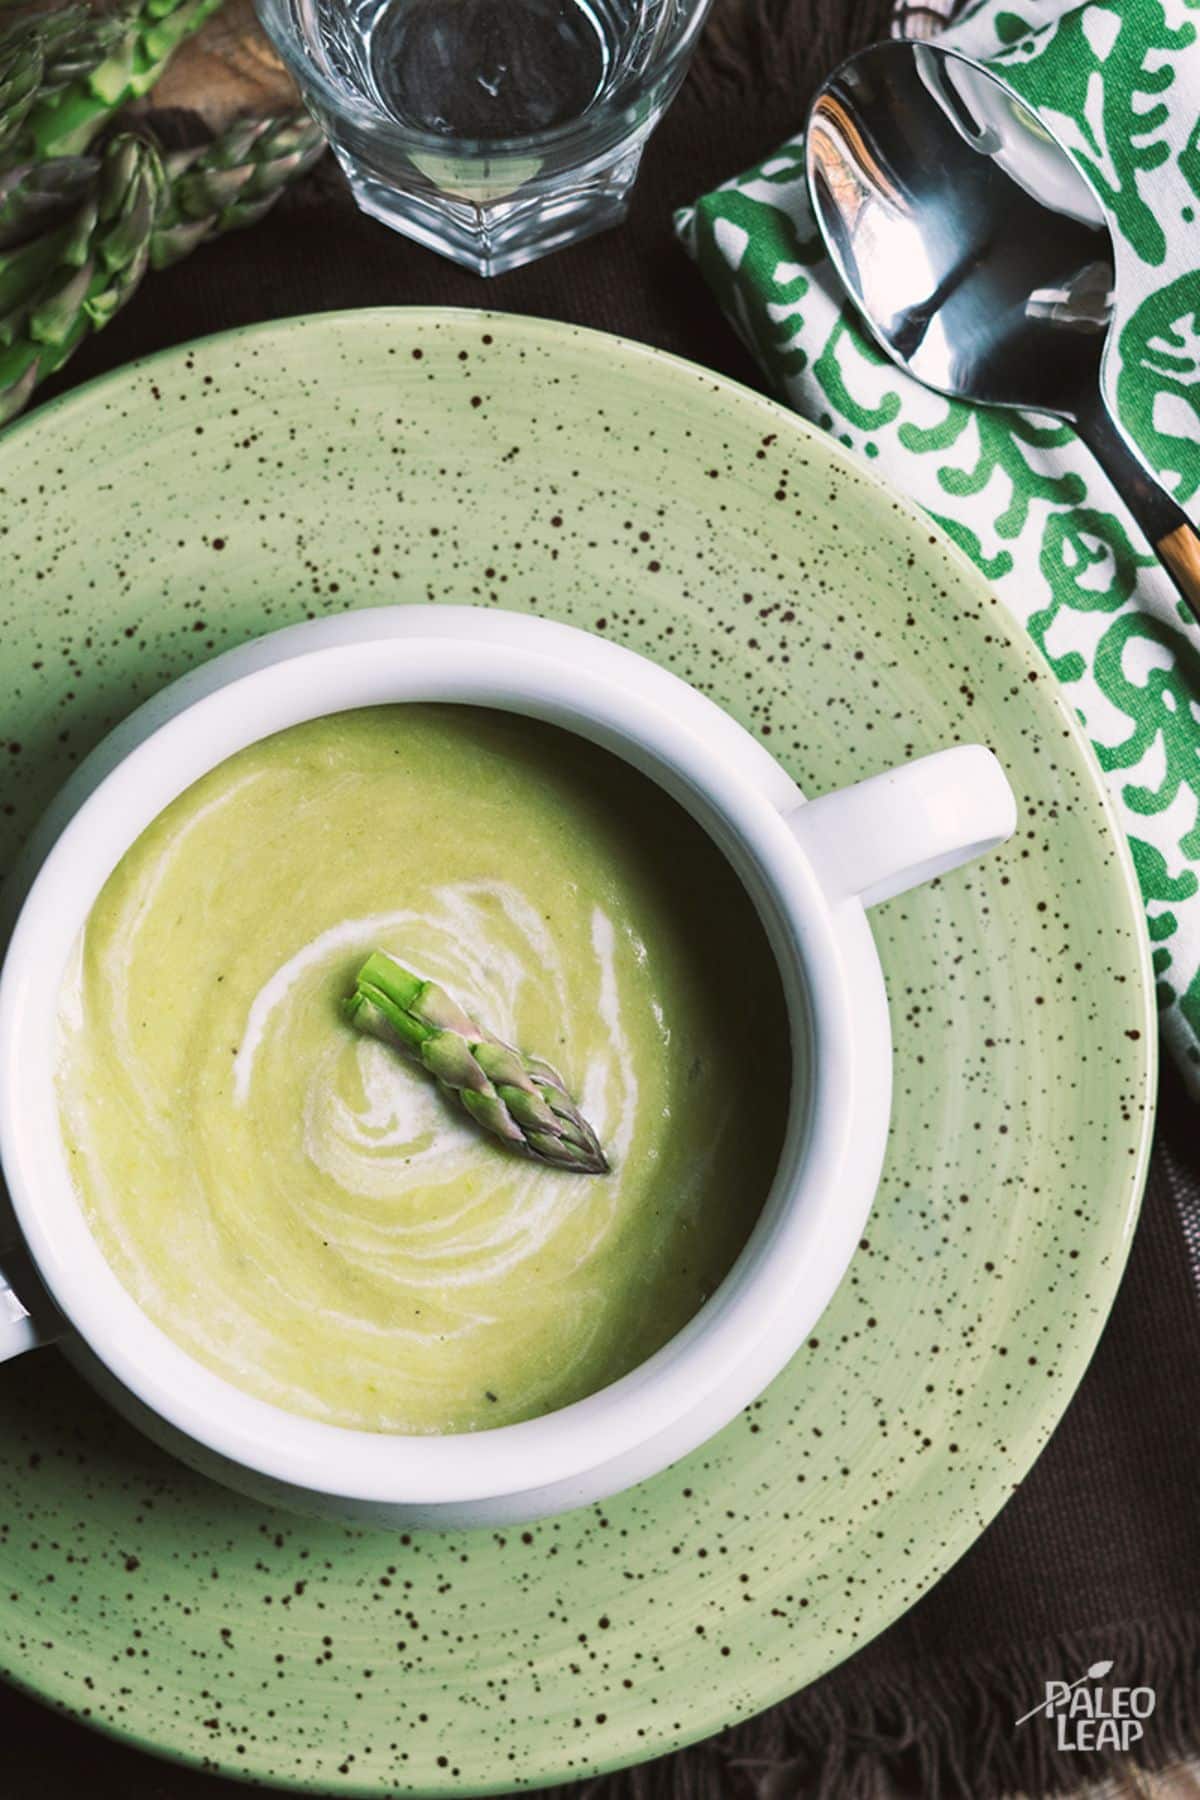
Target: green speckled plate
x=347 y=460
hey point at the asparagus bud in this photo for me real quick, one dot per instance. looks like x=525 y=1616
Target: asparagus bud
x=518 y=1098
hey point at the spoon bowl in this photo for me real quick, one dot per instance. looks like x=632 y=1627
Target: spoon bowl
x=978 y=254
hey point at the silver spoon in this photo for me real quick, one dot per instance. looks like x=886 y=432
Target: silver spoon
x=978 y=255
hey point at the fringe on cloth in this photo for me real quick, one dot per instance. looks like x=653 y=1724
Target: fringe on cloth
x=939 y=1731
x=756 y=49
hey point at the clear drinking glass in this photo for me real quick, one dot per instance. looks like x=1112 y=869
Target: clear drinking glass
x=491 y=130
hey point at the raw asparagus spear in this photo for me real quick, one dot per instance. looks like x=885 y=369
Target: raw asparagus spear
x=77 y=233
x=231 y=182
x=44 y=55
x=140 y=39
x=71 y=279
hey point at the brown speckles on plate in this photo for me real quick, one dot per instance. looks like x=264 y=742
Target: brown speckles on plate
x=342 y=464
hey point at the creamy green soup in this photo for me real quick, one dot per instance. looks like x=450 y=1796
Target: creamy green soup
x=299 y=1206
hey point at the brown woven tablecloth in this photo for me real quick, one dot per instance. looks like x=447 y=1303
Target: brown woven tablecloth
x=1098 y=1554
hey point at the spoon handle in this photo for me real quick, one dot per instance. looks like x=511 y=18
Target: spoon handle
x=1175 y=540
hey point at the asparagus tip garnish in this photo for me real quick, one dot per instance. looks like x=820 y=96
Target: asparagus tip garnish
x=518 y=1098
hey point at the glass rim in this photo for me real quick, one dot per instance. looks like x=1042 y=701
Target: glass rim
x=277 y=21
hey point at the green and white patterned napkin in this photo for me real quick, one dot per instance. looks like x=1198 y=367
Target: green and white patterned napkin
x=1119 y=83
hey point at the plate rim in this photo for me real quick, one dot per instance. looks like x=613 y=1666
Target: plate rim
x=1040 y=1423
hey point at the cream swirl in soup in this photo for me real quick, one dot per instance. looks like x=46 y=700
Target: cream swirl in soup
x=301 y=1207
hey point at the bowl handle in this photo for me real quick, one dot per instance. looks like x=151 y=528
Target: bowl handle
x=24 y=1327
x=893 y=831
